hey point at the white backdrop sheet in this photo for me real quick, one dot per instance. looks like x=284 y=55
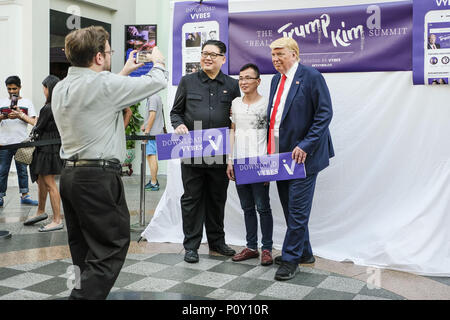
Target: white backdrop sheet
x=385 y=199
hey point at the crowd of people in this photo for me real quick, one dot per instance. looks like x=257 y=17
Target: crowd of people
x=86 y=111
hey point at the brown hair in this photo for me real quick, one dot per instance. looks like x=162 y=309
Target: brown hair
x=84 y=44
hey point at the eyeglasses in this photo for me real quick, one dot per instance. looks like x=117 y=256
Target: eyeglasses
x=247 y=79
x=213 y=55
x=110 y=52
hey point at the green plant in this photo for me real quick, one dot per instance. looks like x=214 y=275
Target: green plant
x=134 y=127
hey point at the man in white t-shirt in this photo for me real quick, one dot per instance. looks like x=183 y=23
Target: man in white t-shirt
x=13 y=130
x=249 y=139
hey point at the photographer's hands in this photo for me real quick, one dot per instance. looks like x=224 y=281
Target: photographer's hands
x=131 y=65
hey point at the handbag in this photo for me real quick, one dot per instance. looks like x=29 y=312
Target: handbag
x=25 y=155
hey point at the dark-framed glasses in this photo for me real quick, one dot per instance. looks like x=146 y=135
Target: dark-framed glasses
x=213 y=55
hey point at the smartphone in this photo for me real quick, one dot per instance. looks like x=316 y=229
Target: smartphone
x=194 y=35
x=144 y=56
x=437 y=47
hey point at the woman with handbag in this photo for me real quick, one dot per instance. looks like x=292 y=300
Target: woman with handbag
x=47 y=163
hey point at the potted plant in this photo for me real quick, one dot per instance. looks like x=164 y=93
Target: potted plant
x=133 y=128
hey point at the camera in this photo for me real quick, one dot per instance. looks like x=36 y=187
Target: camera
x=144 y=56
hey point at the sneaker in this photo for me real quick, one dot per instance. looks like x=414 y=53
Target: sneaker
x=152 y=187
x=1 y=203
x=266 y=258
x=286 y=271
x=28 y=201
x=245 y=255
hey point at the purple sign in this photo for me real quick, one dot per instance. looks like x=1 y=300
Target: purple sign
x=372 y=37
x=197 y=144
x=194 y=24
x=277 y=167
x=431 y=43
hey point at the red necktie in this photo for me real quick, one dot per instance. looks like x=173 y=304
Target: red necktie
x=271 y=145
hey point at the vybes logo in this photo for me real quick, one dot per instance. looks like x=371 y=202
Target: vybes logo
x=213 y=143
x=290 y=170
x=443 y=2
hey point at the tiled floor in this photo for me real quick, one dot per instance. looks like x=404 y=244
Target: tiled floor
x=34 y=266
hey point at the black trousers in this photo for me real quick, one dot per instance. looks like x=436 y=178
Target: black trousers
x=98 y=225
x=203 y=202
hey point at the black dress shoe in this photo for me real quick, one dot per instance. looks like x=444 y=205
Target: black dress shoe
x=224 y=250
x=286 y=271
x=191 y=256
x=303 y=260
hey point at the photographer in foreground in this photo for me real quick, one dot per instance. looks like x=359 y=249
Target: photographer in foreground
x=87 y=106
x=15 y=112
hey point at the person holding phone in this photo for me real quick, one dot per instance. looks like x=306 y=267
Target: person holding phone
x=204 y=98
x=13 y=130
x=87 y=106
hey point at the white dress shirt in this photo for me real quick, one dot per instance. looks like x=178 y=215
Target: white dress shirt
x=287 y=87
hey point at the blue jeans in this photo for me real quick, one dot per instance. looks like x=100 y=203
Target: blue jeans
x=251 y=195
x=6 y=157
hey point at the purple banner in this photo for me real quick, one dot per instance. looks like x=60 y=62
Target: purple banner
x=194 y=24
x=372 y=37
x=277 y=167
x=431 y=43
x=196 y=144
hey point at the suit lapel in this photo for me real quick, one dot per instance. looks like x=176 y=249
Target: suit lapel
x=295 y=86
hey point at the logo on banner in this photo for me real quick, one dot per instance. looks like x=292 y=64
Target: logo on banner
x=290 y=170
x=201 y=145
x=443 y=2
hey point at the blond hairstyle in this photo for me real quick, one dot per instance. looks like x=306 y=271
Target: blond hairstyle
x=83 y=45
x=287 y=43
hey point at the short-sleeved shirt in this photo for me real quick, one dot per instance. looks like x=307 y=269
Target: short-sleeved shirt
x=15 y=131
x=154 y=103
x=251 y=128
x=87 y=107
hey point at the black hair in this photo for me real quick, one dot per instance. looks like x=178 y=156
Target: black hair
x=13 y=80
x=219 y=44
x=50 y=83
x=253 y=67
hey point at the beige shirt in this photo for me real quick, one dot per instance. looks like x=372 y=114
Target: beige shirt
x=289 y=78
x=88 y=105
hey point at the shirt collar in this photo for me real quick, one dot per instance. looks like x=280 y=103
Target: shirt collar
x=291 y=73
x=78 y=71
x=204 y=77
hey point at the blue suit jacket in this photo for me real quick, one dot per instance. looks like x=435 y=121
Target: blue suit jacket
x=307 y=115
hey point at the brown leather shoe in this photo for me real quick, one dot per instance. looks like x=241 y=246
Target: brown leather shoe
x=266 y=258
x=245 y=255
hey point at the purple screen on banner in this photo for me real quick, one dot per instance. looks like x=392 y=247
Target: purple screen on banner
x=194 y=24
x=430 y=63
x=196 y=144
x=277 y=167
x=375 y=37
